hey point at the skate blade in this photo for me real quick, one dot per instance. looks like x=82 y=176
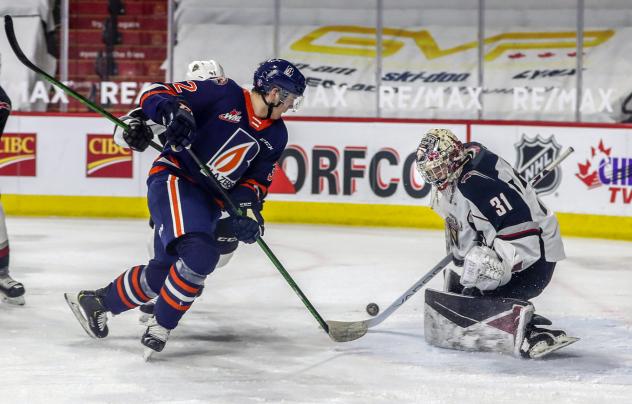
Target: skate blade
x=563 y=342
x=147 y=354
x=73 y=303
x=16 y=301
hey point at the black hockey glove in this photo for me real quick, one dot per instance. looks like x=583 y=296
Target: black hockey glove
x=178 y=119
x=245 y=228
x=138 y=135
x=247 y=200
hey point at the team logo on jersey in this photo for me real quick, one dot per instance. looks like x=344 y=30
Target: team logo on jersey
x=233 y=116
x=533 y=156
x=5 y=105
x=18 y=154
x=233 y=158
x=106 y=159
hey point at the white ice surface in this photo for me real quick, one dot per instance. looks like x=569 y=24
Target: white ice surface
x=249 y=339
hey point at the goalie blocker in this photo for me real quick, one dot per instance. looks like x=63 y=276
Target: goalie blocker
x=488 y=324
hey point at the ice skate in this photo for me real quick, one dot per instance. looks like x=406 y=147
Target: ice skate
x=154 y=338
x=11 y=291
x=540 y=342
x=90 y=312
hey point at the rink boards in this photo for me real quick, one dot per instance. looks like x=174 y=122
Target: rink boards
x=344 y=171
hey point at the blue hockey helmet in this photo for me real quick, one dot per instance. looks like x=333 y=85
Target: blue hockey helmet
x=281 y=74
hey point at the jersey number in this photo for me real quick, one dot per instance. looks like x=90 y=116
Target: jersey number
x=501 y=204
x=190 y=86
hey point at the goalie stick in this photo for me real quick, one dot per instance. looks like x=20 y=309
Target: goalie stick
x=233 y=210
x=343 y=331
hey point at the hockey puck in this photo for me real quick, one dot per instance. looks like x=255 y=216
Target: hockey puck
x=372 y=309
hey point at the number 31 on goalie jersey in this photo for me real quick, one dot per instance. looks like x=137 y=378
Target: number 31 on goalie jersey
x=501 y=204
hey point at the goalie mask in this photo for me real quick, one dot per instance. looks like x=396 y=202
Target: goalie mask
x=440 y=157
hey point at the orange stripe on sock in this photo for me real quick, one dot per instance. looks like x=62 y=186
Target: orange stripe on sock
x=121 y=292
x=136 y=286
x=179 y=282
x=171 y=303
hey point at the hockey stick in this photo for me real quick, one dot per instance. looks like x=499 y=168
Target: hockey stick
x=233 y=210
x=343 y=331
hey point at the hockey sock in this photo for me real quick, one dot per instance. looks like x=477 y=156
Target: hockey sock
x=198 y=257
x=128 y=291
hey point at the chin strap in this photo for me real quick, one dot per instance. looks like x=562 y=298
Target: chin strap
x=269 y=105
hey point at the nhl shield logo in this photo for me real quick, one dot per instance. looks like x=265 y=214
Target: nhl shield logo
x=533 y=156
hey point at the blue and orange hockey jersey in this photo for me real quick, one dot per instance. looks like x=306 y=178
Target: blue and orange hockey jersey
x=237 y=147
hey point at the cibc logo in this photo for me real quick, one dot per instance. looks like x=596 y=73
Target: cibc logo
x=18 y=154
x=106 y=159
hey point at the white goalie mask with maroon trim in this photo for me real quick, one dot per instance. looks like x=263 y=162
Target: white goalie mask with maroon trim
x=440 y=157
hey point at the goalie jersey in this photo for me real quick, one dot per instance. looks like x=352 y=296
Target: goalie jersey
x=491 y=204
x=237 y=147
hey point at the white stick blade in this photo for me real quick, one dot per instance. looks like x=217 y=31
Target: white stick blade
x=344 y=331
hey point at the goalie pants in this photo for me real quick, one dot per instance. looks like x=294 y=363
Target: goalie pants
x=523 y=285
x=185 y=252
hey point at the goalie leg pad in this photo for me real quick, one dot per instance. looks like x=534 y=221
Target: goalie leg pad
x=470 y=323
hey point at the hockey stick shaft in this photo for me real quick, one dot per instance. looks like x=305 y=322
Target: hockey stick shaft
x=552 y=166
x=233 y=209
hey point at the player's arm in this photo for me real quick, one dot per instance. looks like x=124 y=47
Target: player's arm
x=180 y=107
x=250 y=192
x=517 y=242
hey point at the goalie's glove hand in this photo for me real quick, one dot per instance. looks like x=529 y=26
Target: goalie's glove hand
x=180 y=123
x=138 y=135
x=483 y=270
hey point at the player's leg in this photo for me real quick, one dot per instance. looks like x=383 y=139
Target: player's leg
x=226 y=243
x=132 y=288
x=11 y=290
x=186 y=226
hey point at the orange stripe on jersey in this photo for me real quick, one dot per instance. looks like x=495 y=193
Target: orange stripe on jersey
x=150 y=93
x=121 y=292
x=156 y=170
x=180 y=283
x=257 y=184
x=171 y=303
x=256 y=123
x=137 y=288
x=175 y=206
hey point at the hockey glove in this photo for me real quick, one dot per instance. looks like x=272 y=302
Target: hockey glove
x=248 y=200
x=245 y=228
x=483 y=269
x=178 y=119
x=138 y=135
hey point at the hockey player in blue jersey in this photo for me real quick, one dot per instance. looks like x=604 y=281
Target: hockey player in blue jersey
x=505 y=242
x=239 y=135
x=138 y=139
